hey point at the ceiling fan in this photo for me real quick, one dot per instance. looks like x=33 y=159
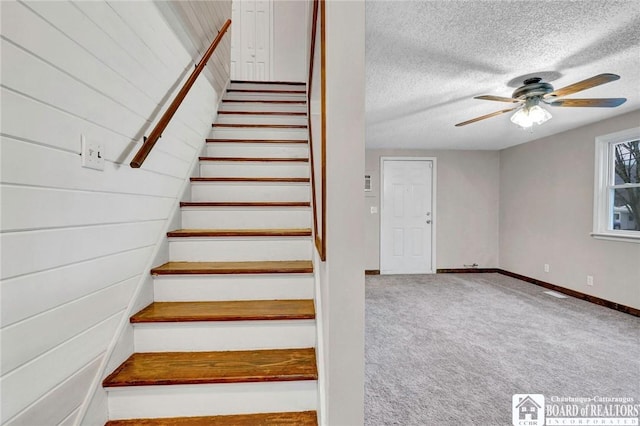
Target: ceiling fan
x=535 y=91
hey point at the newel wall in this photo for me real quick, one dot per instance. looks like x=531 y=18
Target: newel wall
x=341 y=276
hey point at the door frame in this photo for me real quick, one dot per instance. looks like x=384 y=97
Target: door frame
x=434 y=175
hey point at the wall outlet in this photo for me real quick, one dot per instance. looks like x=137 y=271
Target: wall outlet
x=92 y=154
x=546 y=267
x=589 y=280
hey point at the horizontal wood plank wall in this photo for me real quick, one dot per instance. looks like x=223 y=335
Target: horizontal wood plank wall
x=194 y=22
x=76 y=241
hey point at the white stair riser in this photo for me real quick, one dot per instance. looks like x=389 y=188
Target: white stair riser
x=239 y=249
x=188 y=288
x=244 y=133
x=262 y=106
x=211 y=399
x=249 y=218
x=258 y=150
x=224 y=336
x=254 y=169
x=261 y=119
x=266 y=96
x=262 y=86
x=229 y=191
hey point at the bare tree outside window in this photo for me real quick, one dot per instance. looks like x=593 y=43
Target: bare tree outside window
x=626 y=199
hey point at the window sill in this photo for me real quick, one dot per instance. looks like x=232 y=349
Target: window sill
x=627 y=238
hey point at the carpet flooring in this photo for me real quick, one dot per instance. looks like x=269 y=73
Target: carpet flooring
x=452 y=349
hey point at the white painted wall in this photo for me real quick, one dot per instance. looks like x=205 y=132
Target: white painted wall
x=466 y=207
x=315 y=135
x=341 y=277
x=290 y=33
x=76 y=242
x=546 y=215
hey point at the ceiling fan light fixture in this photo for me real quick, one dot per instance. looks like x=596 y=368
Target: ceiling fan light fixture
x=521 y=118
x=539 y=115
x=529 y=115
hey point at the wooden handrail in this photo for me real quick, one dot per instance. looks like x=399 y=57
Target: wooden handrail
x=320 y=238
x=155 y=134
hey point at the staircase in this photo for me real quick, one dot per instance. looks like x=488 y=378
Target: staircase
x=230 y=336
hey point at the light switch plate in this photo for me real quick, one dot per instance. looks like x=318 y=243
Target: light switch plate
x=92 y=154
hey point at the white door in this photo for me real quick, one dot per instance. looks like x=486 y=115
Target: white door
x=251 y=40
x=236 y=56
x=406 y=221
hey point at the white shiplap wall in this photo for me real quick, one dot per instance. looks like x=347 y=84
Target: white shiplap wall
x=76 y=242
x=194 y=22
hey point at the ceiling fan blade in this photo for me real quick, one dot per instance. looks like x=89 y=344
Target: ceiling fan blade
x=497 y=98
x=583 y=85
x=483 y=117
x=602 y=102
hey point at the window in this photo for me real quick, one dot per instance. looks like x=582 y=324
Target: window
x=617 y=186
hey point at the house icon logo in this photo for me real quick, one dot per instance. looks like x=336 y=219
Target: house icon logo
x=528 y=410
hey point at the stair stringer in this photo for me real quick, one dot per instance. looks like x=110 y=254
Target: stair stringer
x=94 y=410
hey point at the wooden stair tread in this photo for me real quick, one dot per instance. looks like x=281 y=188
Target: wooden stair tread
x=237 y=310
x=262 y=113
x=257 y=159
x=293 y=92
x=292 y=83
x=261 y=126
x=182 y=368
x=298 y=418
x=250 y=179
x=258 y=267
x=263 y=101
x=257 y=141
x=292 y=232
x=245 y=204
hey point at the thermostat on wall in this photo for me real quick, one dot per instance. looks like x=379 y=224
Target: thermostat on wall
x=367 y=183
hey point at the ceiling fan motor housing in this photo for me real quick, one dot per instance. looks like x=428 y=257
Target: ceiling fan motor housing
x=532 y=87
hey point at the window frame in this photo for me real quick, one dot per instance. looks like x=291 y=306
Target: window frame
x=602 y=213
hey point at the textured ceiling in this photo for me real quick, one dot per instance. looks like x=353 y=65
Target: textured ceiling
x=426 y=60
